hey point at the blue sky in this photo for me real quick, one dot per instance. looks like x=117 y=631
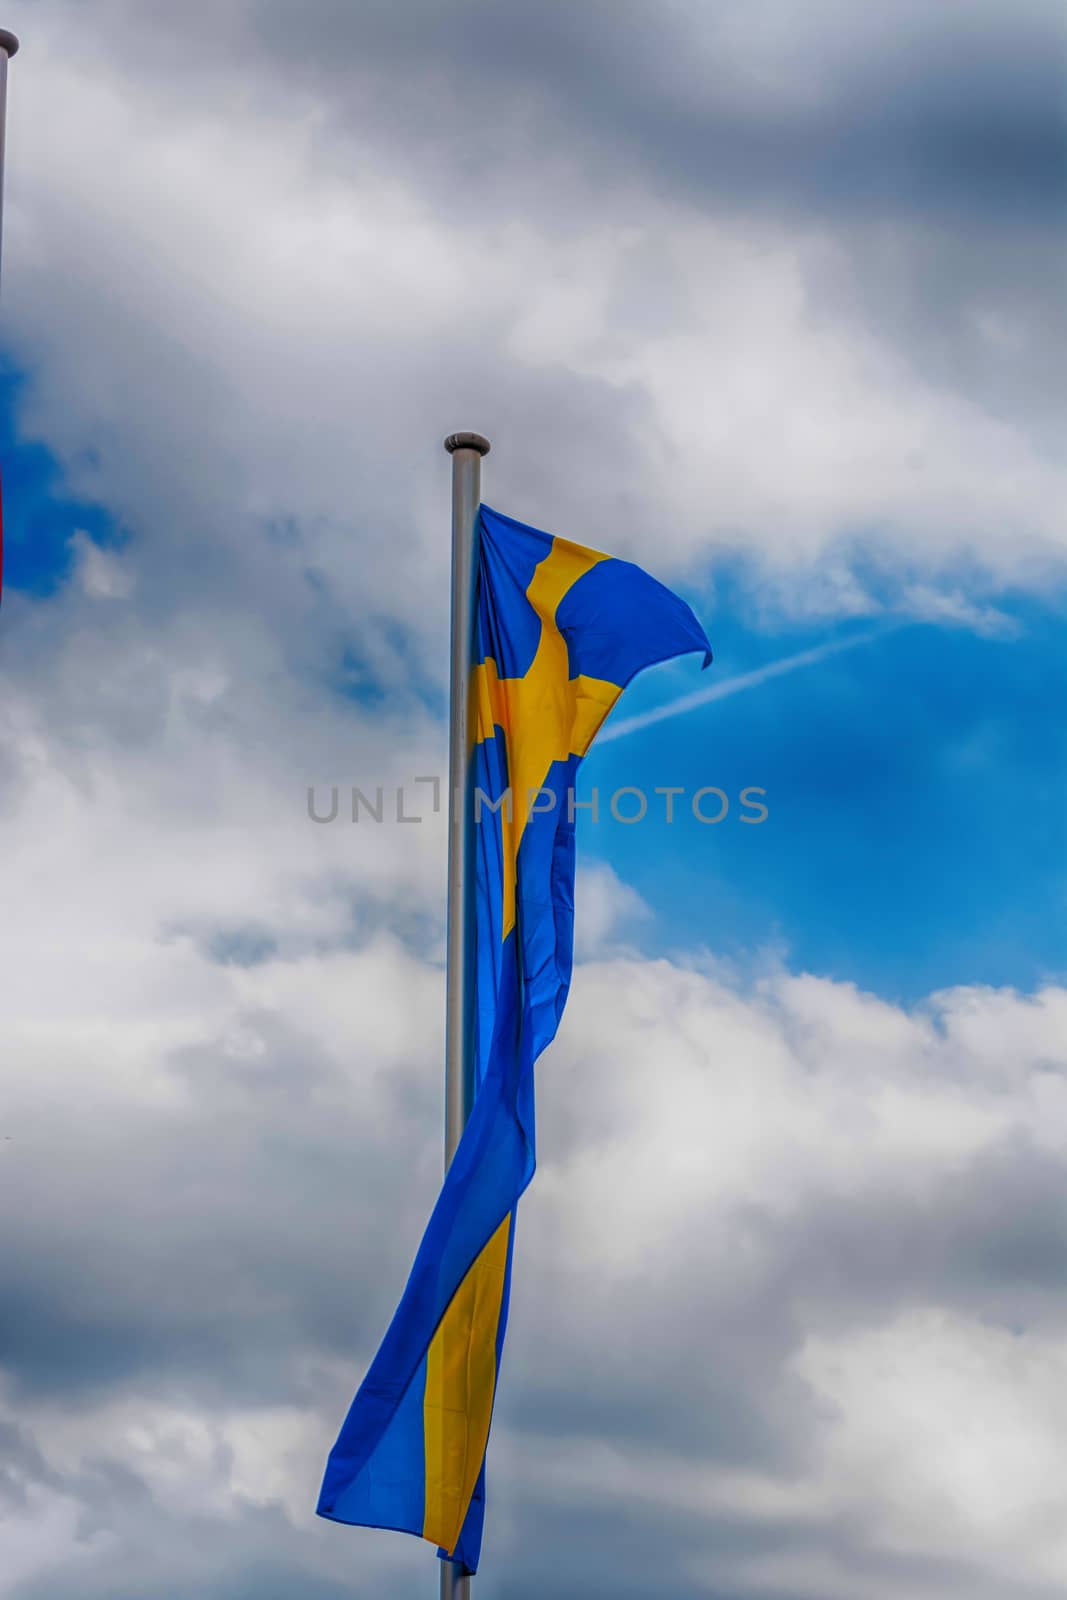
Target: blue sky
x=39 y=511
x=915 y=789
x=774 y=310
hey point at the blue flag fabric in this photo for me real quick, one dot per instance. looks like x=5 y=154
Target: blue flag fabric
x=561 y=630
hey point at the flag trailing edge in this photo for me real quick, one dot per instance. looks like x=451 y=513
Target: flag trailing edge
x=560 y=631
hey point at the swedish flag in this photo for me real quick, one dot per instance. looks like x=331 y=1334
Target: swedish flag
x=561 y=630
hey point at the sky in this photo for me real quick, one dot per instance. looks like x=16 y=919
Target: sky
x=768 y=299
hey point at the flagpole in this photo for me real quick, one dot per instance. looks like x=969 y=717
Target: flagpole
x=466 y=450
x=8 y=46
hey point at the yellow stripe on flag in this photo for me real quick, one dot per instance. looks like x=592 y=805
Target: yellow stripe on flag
x=546 y=715
x=460 y=1381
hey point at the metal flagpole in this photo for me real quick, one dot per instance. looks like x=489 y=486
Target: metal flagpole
x=8 y=45
x=466 y=450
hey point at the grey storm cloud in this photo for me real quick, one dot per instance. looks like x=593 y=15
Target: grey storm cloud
x=247 y=1245
x=893 y=108
x=908 y=154
x=243 y=1248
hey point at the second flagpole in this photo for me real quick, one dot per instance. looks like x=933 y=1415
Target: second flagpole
x=466 y=450
x=8 y=46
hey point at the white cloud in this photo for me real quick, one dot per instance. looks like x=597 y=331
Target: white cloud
x=952 y=1429
x=604 y=908
x=732 y=1231
x=100 y=572
x=266 y=322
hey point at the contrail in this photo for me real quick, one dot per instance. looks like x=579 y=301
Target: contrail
x=729 y=686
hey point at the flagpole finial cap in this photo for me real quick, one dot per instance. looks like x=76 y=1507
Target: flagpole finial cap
x=467 y=441
x=8 y=42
